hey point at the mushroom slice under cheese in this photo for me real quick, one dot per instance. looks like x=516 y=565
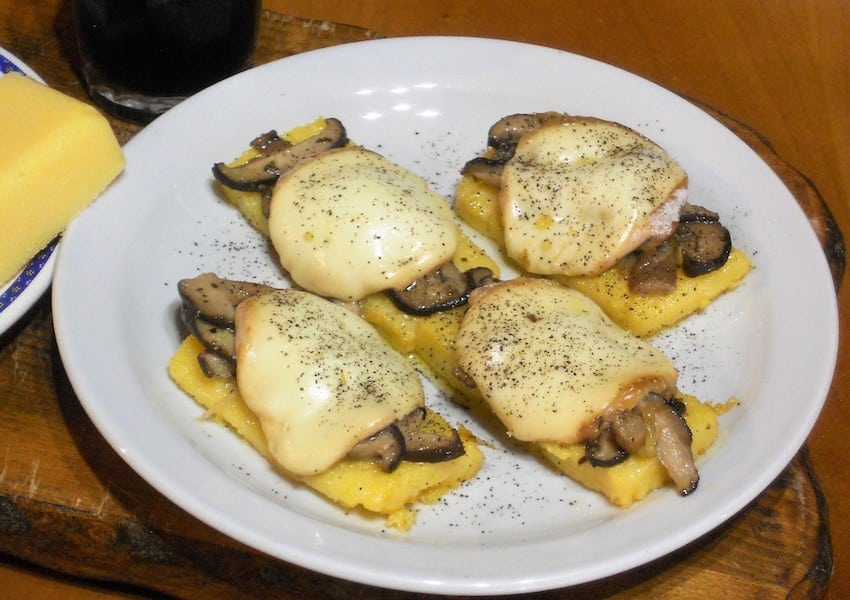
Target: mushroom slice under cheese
x=549 y=362
x=581 y=193
x=318 y=378
x=349 y=223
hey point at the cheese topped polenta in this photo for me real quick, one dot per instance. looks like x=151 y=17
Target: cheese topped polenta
x=549 y=362
x=318 y=378
x=581 y=193
x=348 y=223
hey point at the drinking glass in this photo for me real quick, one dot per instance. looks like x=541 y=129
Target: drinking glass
x=141 y=57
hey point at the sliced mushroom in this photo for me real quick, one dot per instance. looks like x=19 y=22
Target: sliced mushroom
x=503 y=137
x=428 y=446
x=695 y=212
x=672 y=442
x=486 y=170
x=441 y=289
x=385 y=448
x=264 y=170
x=266 y=201
x=218 y=339
x=508 y=130
x=215 y=299
x=207 y=311
x=406 y=440
x=480 y=276
x=704 y=243
x=653 y=270
x=629 y=430
x=215 y=365
x=705 y=246
x=269 y=143
x=603 y=450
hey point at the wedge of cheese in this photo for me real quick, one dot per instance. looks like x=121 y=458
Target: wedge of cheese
x=57 y=155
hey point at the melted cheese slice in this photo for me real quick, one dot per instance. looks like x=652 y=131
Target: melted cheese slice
x=349 y=223
x=581 y=193
x=318 y=377
x=548 y=361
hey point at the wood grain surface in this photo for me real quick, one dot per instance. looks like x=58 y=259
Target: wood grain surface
x=69 y=504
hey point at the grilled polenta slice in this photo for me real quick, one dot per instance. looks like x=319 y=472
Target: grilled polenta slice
x=352 y=484
x=476 y=203
x=433 y=343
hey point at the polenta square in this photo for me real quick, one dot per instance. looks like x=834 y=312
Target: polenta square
x=352 y=484
x=477 y=204
x=433 y=341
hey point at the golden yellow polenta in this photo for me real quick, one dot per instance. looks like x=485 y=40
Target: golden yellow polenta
x=433 y=342
x=350 y=484
x=476 y=204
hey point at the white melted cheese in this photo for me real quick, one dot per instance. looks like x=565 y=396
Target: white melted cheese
x=318 y=378
x=548 y=361
x=349 y=223
x=581 y=193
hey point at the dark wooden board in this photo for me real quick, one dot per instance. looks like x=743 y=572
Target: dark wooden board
x=68 y=502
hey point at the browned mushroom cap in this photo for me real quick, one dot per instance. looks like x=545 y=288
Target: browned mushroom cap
x=508 y=130
x=603 y=450
x=503 y=137
x=264 y=170
x=704 y=243
x=407 y=440
x=428 y=446
x=385 y=448
x=441 y=289
x=215 y=299
x=653 y=269
x=486 y=170
x=672 y=442
x=207 y=311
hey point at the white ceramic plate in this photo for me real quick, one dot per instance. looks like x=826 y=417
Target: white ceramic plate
x=25 y=288
x=427 y=104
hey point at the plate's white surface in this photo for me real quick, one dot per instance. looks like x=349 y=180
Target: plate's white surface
x=28 y=285
x=427 y=104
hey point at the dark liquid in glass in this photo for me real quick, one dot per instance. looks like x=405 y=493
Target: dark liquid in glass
x=166 y=47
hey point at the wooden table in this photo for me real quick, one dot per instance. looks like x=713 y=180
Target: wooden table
x=74 y=519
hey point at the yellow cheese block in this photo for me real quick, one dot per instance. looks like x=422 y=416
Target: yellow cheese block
x=57 y=155
x=351 y=484
x=476 y=204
